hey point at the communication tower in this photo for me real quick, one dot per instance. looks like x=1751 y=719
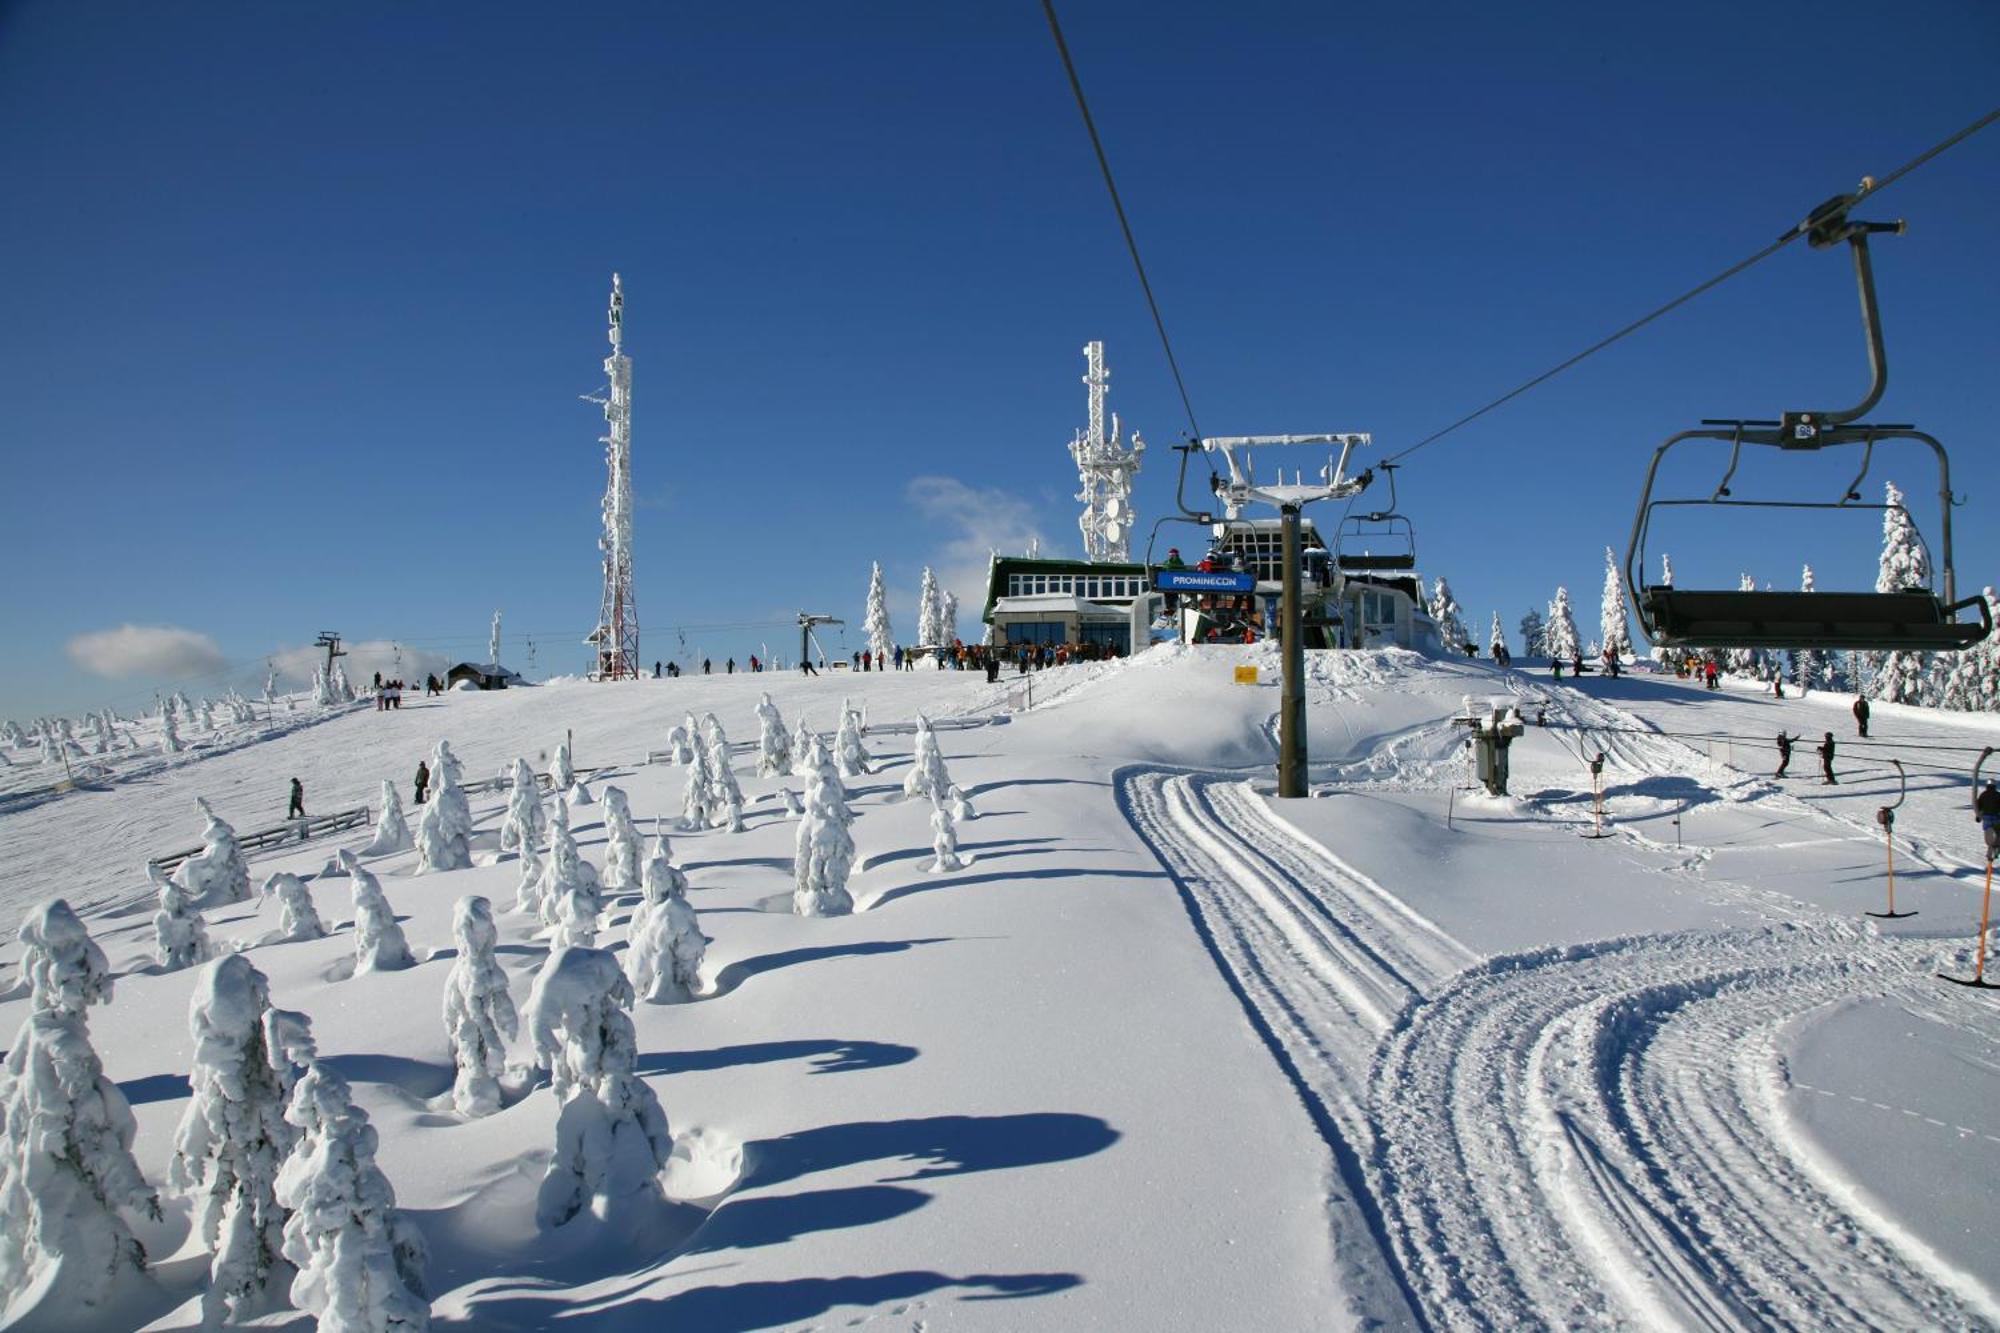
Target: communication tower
x=616 y=637
x=1104 y=468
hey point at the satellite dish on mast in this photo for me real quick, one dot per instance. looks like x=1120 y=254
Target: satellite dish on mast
x=1113 y=531
x=1113 y=507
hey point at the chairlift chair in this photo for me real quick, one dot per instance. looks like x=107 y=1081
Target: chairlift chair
x=1910 y=619
x=1357 y=536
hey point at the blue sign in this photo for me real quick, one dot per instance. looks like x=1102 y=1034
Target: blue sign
x=1199 y=580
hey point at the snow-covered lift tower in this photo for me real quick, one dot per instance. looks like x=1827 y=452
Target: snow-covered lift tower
x=616 y=637
x=1105 y=469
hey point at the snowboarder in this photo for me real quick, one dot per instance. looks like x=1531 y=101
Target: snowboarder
x=298 y=807
x=1861 y=716
x=1784 y=754
x=1826 y=759
x=1986 y=809
x=423 y=779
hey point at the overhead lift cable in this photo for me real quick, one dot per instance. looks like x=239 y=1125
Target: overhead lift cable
x=1869 y=187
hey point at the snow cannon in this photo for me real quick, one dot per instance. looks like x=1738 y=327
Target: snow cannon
x=1494 y=722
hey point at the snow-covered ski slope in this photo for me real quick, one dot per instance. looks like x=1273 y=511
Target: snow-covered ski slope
x=1170 y=1054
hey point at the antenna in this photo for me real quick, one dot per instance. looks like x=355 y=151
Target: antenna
x=1104 y=470
x=616 y=637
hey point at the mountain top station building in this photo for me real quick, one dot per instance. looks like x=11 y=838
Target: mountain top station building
x=1037 y=601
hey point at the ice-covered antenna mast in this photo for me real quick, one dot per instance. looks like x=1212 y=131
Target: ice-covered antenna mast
x=1104 y=469
x=1289 y=497
x=616 y=637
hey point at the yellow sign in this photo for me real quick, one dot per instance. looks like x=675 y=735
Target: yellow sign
x=1246 y=675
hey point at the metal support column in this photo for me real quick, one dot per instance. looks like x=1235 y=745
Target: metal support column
x=1292 y=709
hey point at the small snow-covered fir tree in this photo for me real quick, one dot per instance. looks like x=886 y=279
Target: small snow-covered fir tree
x=1496 y=638
x=848 y=750
x=562 y=772
x=664 y=950
x=930 y=611
x=338 y=686
x=233 y=1137
x=927 y=776
x=774 y=745
x=528 y=885
x=392 y=830
x=1534 y=635
x=612 y=1138
x=698 y=798
x=1807 y=663
x=822 y=857
x=725 y=794
x=881 y=641
x=948 y=619
x=944 y=841
x=1445 y=614
x=961 y=807
x=802 y=743
x=823 y=783
x=1559 y=638
x=622 y=848
x=525 y=821
x=170 y=736
x=1614 y=632
x=360 y=1262
x=567 y=875
x=479 y=1017
x=379 y=945
x=298 y=919
x=679 y=743
x=444 y=832
x=1901 y=677
x=178 y=928
x=65 y=970
x=216 y=875
x=322 y=688
x=1972 y=680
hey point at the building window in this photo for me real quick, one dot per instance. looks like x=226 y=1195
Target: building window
x=1036 y=632
x=1113 y=636
x=1013 y=585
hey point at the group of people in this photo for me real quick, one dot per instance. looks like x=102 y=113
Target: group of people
x=1825 y=747
x=388 y=693
x=1607 y=661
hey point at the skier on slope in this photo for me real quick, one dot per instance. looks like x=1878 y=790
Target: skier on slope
x=1986 y=809
x=1784 y=754
x=1826 y=759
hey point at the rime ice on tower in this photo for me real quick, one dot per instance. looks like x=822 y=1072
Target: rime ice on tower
x=360 y=1262
x=379 y=945
x=1104 y=470
x=822 y=857
x=611 y=1135
x=774 y=746
x=392 y=831
x=444 y=833
x=298 y=919
x=616 y=637
x=177 y=926
x=622 y=846
x=663 y=956
x=479 y=1016
x=233 y=1138
x=66 y=1164
x=881 y=641
x=216 y=875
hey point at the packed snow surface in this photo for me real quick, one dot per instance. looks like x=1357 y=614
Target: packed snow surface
x=1150 y=1049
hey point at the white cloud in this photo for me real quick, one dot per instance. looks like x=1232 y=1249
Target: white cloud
x=146 y=650
x=981 y=521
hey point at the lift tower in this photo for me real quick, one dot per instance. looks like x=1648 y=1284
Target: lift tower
x=616 y=637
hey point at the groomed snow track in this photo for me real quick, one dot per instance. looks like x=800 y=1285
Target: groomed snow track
x=1592 y=1136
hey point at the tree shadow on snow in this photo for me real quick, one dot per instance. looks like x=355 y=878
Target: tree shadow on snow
x=735 y=974
x=985 y=849
x=955 y=881
x=748 y=1224
x=156 y=1088
x=418 y=1078
x=1003 y=784
x=946 y=1145
x=828 y=1056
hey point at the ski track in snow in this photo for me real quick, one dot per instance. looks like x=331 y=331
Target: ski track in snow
x=1595 y=1135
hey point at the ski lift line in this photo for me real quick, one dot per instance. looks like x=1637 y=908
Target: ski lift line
x=1869 y=186
x=1118 y=206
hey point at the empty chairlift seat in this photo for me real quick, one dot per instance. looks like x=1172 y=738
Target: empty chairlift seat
x=1914 y=621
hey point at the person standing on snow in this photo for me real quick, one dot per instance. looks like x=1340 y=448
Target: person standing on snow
x=1986 y=809
x=1784 y=754
x=423 y=779
x=298 y=807
x=1826 y=759
x=1861 y=716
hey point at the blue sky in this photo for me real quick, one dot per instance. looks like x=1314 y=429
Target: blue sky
x=300 y=301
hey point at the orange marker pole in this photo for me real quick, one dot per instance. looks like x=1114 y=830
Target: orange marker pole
x=1889 y=846
x=1985 y=914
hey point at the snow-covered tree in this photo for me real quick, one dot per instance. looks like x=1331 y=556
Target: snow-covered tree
x=802 y=742
x=823 y=783
x=961 y=807
x=379 y=945
x=881 y=641
x=233 y=1137
x=177 y=927
x=217 y=874
x=848 y=750
x=562 y=772
x=444 y=832
x=1901 y=677
x=678 y=744
x=525 y=821
x=944 y=841
x=479 y=1017
x=698 y=798
x=338 y=685
x=725 y=793
x=927 y=776
x=1496 y=638
x=930 y=611
x=1534 y=635
x=1445 y=614
x=65 y=970
x=774 y=745
x=1615 y=632
x=1972 y=676
x=322 y=688
x=1559 y=638
x=1808 y=666
x=612 y=1138
x=568 y=877
x=948 y=619
x=665 y=946
x=392 y=830
x=360 y=1262
x=622 y=848
x=66 y=1172
x=528 y=886
x=822 y=858
x=170 y=736
x=298 y=919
